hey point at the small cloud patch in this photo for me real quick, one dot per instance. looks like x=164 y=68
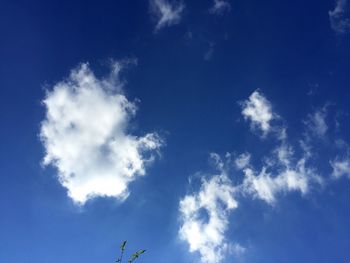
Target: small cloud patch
x=166 y=13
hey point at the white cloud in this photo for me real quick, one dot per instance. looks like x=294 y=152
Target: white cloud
x=205 y=214
x=287 y=169
x=242 y=161
x=204 y=217
x=283 y=171
x=258 y=110
x=281 y=175
x=167 y=13
x=341 y=167
x=86 y=138
x=316 y=122
x=339 y=22
x=220 y=6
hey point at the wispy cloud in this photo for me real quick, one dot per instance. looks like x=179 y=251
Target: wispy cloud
x=167 y=13
x=285 y=169
x=219 y=7
x=258 y=110
x=85 y=135
x=209 y=54
x=281 y=174
x=341 y=167
x=341 y=162
x=204 y=215
x=243 y=160
x=340 y=23
x=316 y=122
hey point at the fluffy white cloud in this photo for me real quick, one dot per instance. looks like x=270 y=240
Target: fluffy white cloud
x=339 y=22
x=258 y=110
x=341 y=167
x=85 y=136
x=220 y=6
x=167 y=13
x=204 y=217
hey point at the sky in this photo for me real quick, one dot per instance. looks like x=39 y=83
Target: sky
x=207 y=131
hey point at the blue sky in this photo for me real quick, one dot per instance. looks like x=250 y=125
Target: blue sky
x=202 y=131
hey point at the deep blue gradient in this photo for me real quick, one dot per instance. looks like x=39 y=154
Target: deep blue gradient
x=284 y=48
